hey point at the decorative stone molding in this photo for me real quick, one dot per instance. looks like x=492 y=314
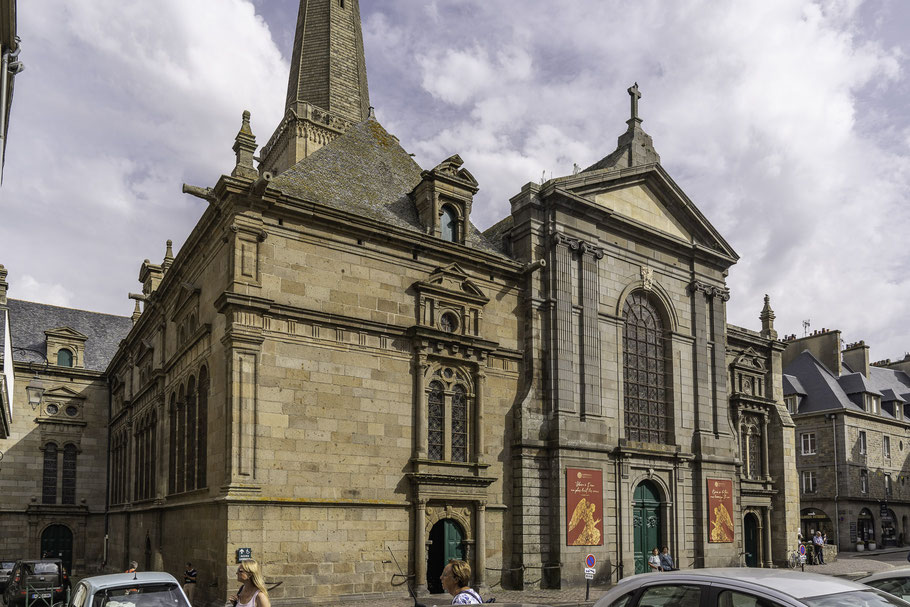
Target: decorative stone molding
x=709 y=290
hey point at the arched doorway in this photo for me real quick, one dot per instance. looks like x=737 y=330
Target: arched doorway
x=751 y=539
x=814 y=519
x=865 y=526
x=889 y=532
x=57 y=543
x=647 y=533
x=446 y=543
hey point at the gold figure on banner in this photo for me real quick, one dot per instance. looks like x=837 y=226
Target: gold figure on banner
x=723 y=525
x=584 y=513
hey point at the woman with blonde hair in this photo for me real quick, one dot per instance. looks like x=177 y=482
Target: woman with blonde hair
x=253 y=592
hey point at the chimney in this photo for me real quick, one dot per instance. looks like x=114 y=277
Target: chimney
x=857 y=357
x=825 y=346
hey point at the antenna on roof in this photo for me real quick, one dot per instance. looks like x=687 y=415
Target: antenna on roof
x=806 y=325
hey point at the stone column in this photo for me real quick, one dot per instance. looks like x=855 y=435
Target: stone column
x=700 y=329
x=480 y=560
x=766 y=537
x=480 y=379
x=420 y=370
x=562 y=335
x=420 y=546
x=764 y=448
x=590 y=346
x=719 y=361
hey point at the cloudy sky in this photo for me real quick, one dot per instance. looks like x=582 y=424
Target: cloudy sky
x=786 y=122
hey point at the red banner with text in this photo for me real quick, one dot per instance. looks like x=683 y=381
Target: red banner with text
x=720 y=511
x=584 y=507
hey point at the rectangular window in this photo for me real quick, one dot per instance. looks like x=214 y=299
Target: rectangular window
x=886 y=447
x=862 y=442
x=864 y=481
x=809 y=483
x=888 y=485
x=791 y=401
x=808 y=442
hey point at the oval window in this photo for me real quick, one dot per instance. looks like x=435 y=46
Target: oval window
x=52 y=409
x=72 y=411
x=448 y=323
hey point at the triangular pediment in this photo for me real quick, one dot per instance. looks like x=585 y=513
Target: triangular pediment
x=647 y=196
x=62 y=392
x=454 y=280
x=66 y=333
x=751 y=360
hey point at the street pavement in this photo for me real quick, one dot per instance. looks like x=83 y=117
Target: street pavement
x=848 y=564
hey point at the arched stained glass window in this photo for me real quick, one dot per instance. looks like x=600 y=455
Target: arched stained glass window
x=459 y=424
x=436 y=422
x=172 y=451
x=448 y=226
x=202 y=427
x=646 y=391
x=49 y=486
x=69 y=474
x=64 y=358
x=190 y=462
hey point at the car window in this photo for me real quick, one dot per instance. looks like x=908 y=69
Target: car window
x=79 y=596
x=622 y=601
x=152 y=595
x=857 y=598
x=46 y=568
x=899 y=587
x=731 y=598
x=671 y=596
x=7 y=564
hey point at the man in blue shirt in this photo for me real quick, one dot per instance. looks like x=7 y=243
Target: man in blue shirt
x=666 y=560
x=818 y=542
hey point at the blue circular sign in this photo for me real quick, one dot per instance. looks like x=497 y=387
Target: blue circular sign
x=802 y=549
x=589 y=560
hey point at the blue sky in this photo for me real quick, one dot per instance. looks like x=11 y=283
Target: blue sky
x=786 y=123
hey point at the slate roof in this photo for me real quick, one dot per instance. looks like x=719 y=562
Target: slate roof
x=29 y=320
x=367 y=172
x=821 y=390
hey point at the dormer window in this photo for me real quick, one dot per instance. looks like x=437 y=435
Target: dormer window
x=792 y=403
x=448 y=224
x=64 y=358
x=871 y=403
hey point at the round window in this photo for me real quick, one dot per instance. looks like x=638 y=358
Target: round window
x=52 y=409
x=72 y=411
x=448 y=373
x=448 y=323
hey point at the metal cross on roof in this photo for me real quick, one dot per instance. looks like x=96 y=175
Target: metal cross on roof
x=635 y=95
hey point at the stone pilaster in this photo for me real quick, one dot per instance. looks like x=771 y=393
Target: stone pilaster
x=562 y=392
x=590 y=347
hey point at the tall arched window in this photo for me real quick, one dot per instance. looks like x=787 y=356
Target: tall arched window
x=181 y=440
x=202 y=427
x=172 y=450
x=64 y=358
x=459 y=424
x=448 y=224
x=190 y=461
x=436 y=422
x=646 y=391
x=49 y=486
x=69 y=474
x=152 y=447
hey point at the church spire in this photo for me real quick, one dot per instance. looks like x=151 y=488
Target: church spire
x=327 y=84
x=634 y=147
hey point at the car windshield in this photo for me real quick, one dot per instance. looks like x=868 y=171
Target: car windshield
x=44 y=568
x=858 y=598
x=150 y=595
x=7 y=564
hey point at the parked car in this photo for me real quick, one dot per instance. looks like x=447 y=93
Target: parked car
x=36 y=582
x=892 y=581
x=5 y=568
x=141 y=589
x=742 y=587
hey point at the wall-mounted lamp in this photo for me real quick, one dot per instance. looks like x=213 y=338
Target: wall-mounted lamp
x=35 y=388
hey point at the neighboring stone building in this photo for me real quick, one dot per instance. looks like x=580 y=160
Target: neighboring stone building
x=9 y=67
x=853 y=437
x=338 y=367
x=53 y=474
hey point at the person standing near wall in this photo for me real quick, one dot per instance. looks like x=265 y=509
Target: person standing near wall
x=189 y=581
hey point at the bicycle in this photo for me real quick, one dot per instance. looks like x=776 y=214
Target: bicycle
x=795 y=559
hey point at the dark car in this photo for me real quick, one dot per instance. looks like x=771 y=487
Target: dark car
x=37 y=582
x=5 y=568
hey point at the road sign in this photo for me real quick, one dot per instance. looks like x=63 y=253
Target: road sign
x=589 y=573
x=589 y=561
x=802 y=549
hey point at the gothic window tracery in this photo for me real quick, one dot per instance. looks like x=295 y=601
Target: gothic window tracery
x=68 y=495
x=449 y=403
x=49 y=484
x=751 y=442
x=646 y=389
x=188 y=430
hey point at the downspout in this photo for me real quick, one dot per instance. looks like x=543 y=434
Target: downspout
x=836 y=483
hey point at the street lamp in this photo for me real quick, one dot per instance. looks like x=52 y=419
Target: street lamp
x=35 y=388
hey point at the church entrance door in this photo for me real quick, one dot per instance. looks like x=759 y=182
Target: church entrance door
x=646 y=524
x=750 y=532
x=446 y=543
x=57 y=543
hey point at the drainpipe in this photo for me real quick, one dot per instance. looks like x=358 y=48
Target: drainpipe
x=9 y=67
x=836 y=483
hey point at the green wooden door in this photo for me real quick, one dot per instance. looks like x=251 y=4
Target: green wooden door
x=446 y=543
x=646 y=524
x=453 y=541
x=57 y=543
x=750 y=533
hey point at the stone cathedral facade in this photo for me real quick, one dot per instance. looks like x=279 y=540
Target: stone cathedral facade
x=338 y=367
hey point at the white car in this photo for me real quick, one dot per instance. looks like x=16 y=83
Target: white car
x=743 y=587
x=892 y=581
x=141 y=589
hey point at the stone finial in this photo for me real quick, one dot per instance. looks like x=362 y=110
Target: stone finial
x=767 y=320
x=4 y=286
x=137 y=312
x=168 y=256
x=244 y=148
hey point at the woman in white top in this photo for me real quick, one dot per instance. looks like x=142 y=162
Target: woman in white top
x=253 y=592
x=654 y=561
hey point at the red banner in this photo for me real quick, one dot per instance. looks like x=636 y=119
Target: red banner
x=584 y=507
x=720 y=511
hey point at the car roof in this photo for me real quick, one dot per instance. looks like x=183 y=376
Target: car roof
x=113 y=580
x=884 y=575
x=791 y=583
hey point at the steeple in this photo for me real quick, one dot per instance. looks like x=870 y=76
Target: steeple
x=634 y=147
x=327 y=85
x=767 y=320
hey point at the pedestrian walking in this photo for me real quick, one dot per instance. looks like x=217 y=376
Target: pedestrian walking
x=253 y=592
x=455 y=579
x=189 y=581
x=818 y=543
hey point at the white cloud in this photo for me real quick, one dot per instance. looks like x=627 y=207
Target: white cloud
x=30 y=289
